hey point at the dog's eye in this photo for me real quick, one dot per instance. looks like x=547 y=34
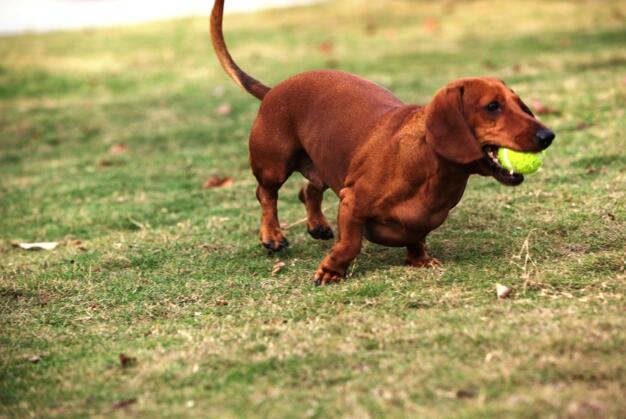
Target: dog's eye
x=493 y=107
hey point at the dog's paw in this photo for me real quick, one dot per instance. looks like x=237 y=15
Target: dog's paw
x=325 y=276
x=424 y=262
x=321 y=232
x=275 y=244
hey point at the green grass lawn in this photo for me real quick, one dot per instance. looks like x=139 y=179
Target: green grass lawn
x=173 y=275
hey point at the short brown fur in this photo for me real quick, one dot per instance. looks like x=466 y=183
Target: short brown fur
x=398 y=169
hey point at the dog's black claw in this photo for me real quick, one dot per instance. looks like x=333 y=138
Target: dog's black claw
x=275 y=247
x=318 y=281
x=322 y=232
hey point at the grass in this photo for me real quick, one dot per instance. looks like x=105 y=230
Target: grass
x=172 y=274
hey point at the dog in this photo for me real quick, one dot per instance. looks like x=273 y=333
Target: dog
x=398 y=169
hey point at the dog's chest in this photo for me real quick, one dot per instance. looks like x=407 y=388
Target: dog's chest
x=414 y=215
x=406 y=223
x=409 y=220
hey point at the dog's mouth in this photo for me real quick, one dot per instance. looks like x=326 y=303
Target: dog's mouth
x=495 y=169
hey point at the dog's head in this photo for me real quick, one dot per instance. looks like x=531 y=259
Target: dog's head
x=469 y=119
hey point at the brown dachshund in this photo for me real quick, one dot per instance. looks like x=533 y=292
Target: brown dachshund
x=398 y=169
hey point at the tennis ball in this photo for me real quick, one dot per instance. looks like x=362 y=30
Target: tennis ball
x=519 y=162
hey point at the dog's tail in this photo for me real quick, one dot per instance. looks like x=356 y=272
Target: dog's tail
x=243 y=80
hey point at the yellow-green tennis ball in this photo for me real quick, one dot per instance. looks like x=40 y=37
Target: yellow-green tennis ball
x=519 y=162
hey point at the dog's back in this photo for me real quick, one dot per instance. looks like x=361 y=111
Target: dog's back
x=318 y=109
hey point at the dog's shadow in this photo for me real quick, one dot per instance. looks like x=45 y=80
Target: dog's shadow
x=450 y=247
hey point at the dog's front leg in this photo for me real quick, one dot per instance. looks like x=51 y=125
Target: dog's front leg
x=347 y=247
x=416 y=256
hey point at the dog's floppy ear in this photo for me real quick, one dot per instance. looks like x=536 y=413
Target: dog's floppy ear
x=447 y=131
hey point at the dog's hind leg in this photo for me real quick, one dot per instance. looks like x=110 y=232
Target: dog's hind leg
x=271 y=234
x=272 y=158
x=311 y=196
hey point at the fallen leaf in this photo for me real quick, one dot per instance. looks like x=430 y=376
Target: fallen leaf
x=277 y=267
x=78 y=244
x=590 y=170
x=585 y=409
x=564 y=42
x=610 y=216
x=492 y=356
x=217 y=181
x=502 y=291
x=127 y=361
x=221 y=303
x=43 y=299
x=208 y=247
x=618 y=15
x=541 y=109
x=462 y=393
x=34 y=359
x=138 y=224
x=370 y=302
x=118 y=148
x=465 y=393
x=449 y=7
x=326 y=47
x=38 y=246
x=332 y=63
x=431 y=24
x=123 y=404
x=371 y=28
x=104 y=163
x=224 y=109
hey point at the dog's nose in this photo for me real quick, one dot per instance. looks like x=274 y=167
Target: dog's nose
x=544 y=138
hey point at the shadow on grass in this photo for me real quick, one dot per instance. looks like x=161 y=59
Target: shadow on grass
x=601 y=161
x=589 y=168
